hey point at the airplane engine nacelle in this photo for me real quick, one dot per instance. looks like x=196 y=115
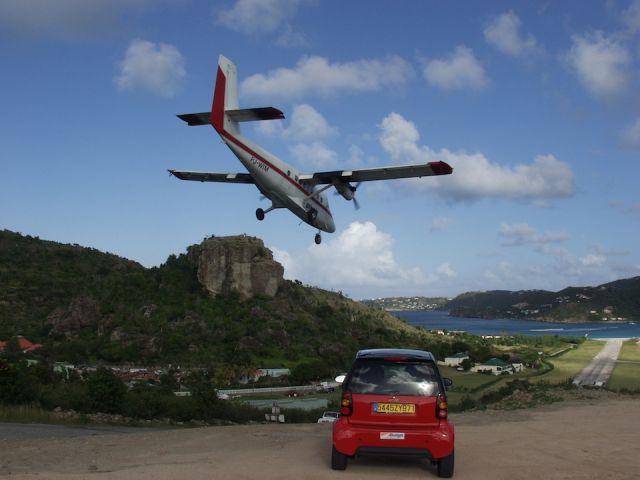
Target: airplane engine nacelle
x=345 y=190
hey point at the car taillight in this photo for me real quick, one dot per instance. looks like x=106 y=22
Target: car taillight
x=442 y=410
x=346 y=404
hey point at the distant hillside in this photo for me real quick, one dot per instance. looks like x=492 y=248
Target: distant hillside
x=86 y=306
x=615 y=301
x=407 y=303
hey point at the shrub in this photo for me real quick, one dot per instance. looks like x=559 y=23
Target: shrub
x=106 y=391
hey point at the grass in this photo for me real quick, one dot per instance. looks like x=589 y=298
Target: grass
x=28 y=414
x=568 y=364
x=630 y=351
x=626 y=374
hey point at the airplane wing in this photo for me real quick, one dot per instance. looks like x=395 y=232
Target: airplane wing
x=213 y=177
x=381 y=173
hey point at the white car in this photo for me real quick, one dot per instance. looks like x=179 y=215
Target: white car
x=328 y=417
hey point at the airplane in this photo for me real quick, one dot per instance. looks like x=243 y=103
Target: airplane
x=283 y=184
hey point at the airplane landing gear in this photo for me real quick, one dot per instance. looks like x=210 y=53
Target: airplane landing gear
x=260 y=213
x=318 y=239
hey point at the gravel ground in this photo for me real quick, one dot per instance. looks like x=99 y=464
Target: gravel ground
x=585 y=439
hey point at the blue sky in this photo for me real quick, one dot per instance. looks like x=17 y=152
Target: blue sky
x=534 y=104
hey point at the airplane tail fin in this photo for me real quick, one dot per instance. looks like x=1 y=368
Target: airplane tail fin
x=225 y=116
x=225 y=97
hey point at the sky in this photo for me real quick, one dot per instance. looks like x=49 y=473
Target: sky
x=535 y=105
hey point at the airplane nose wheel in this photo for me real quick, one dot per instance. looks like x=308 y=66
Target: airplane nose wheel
x=260 y=214
x=318 y=239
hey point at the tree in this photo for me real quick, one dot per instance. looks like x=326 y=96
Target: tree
x=466 y=364
x=106 y=391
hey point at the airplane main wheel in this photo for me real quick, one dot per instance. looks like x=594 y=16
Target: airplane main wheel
x=312 y=214
x=318 y=239
x=260 y=214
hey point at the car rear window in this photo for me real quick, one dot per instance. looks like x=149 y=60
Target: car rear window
x=394 y=377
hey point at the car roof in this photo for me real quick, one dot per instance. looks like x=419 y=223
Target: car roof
x=403 y=353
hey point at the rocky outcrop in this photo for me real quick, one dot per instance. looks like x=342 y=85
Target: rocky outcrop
x=81 y=312
x=239 y=264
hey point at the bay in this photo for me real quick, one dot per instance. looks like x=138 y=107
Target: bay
x=439 y=320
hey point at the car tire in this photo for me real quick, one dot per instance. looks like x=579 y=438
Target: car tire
x=445 y=466
x=338 y=460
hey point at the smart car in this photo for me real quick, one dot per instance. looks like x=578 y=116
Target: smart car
x=394 y=404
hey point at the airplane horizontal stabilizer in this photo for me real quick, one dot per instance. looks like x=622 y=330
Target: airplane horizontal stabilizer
x=193 y=119
x=213 y=177
x=242 y=115
x=253 y=114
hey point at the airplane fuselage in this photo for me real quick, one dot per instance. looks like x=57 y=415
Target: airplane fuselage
x=279 y=182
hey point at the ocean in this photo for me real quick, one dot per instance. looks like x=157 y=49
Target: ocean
x=436 y=320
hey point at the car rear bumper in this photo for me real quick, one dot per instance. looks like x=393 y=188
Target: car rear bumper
x=432 y=443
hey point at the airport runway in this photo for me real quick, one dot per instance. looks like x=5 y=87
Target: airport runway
x=599 y=371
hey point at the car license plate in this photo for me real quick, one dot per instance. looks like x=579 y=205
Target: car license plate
x=394 y=408
x=391 y=435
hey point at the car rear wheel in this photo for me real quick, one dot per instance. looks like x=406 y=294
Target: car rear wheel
x=445 y=466
x=338 y=460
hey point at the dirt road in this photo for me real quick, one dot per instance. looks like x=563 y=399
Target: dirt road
x=578 y=440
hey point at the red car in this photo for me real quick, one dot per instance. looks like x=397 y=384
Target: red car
x=394 y=403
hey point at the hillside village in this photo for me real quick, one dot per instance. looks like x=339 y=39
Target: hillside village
x=407 y=303
x=617 y=301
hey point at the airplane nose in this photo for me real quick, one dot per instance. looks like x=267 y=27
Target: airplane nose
x=331 y=227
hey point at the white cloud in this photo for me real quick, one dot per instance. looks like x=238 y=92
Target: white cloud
x=445 y=271
x=360 y=258
x=522 y=234
x=631 y=135
x=503 y=32
x=600 y=63
x=474 y=176
x=307 y=124
x=290 y=38
x=631 y=17
x=157 y=68
x=593 y=260
x=356 y=156
x=439 y=224
x=315 y=75
x=461 y=70
x=262 y=16
x=314 y=155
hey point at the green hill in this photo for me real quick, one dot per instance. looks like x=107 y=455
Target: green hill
x=615 y=301
x=84 y=305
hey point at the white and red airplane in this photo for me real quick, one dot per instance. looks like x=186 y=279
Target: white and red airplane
x=280 y=182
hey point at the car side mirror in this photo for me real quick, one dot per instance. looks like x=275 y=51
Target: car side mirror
x=340 y=378
x=447 y=382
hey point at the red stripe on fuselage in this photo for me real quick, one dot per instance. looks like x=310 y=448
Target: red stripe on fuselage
x=233 y=139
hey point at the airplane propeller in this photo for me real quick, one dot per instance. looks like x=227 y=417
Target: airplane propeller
x=353 y=189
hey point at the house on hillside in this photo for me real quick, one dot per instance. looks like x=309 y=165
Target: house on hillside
x=455 y=360
x=274 y=373
x=494 y=366
x=25 y=345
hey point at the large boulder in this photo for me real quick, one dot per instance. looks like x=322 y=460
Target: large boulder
x=239 y=264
